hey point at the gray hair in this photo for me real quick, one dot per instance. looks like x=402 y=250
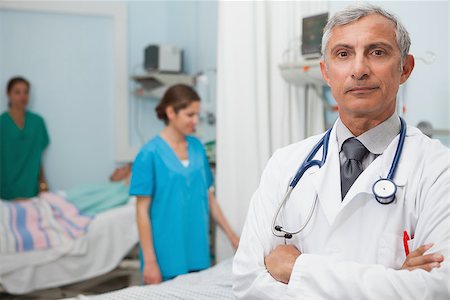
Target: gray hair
x=354 y=12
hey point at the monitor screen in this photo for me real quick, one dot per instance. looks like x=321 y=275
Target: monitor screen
x=312 y=31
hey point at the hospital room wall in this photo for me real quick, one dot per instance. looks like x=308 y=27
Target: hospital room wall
x=147 y=24
x=194 y=28
x=189 y=25
x=68 y=59
x=427 y=90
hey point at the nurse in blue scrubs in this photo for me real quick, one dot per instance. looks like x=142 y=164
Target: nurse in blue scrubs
x=173 y=183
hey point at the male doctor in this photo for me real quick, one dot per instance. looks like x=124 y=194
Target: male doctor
x=353 y=247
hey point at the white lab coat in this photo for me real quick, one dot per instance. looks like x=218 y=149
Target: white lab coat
x=351 y=249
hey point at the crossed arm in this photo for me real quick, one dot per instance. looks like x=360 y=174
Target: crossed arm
x=263 y=273
x=280 y=262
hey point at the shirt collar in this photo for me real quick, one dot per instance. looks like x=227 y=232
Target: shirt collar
x=377 y=139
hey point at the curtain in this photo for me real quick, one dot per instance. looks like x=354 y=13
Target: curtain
x=257 y=111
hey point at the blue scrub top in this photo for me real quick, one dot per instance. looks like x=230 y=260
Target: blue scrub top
x=179 y=210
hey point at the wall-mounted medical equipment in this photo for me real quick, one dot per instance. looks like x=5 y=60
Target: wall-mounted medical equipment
x=154 y=84
x=307 y=74
x=312 y=31
x=301 y=73
x=163 y=58
x=384 y=189
x=161 y=68
x=151 y=85
x=307 y=70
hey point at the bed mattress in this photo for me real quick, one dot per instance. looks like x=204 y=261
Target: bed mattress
x=214 y=283
x=110 y=236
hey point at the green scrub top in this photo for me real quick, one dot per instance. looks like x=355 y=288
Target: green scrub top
x=20 y=155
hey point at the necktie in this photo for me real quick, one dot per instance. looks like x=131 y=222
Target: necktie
x=352 y=167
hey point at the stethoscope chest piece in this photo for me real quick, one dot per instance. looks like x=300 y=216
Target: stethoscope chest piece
x=384 y=190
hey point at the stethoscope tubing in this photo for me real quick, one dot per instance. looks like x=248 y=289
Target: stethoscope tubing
x=309 y=162
x=278 y=230
x=286 y=233
x=399 y=150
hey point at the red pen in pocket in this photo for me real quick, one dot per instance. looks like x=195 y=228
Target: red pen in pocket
x=405 y=242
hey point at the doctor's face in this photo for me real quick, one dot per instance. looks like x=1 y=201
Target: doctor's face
x=363 y=68
x=186 y=119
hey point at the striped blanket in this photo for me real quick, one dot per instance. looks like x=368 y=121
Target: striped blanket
x=43 y=222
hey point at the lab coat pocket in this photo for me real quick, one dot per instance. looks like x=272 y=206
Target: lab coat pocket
x=391 y=252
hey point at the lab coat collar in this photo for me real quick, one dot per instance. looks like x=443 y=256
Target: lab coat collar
x=327 y=182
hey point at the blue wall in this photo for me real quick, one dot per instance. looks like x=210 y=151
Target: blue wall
x=68 y=59
x=189 y=25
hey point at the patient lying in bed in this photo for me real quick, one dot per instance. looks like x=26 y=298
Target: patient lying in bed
x=50 y=242
x=92 y=199
x=52 y=219
x=43 y=222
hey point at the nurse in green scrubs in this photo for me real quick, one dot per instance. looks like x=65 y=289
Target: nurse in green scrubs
x=23 y=139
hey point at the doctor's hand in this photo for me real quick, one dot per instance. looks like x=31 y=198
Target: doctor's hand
x=417 y=259
x=151 y=273
x=280 y=262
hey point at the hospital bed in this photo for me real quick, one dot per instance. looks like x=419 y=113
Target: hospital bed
x=109 y=238
x=214 y=283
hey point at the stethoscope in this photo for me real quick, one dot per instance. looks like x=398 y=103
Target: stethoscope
x=383 y=189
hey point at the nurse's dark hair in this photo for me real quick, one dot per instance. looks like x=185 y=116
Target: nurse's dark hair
x=15 y=80
x=178 y=96
x=12 y=82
